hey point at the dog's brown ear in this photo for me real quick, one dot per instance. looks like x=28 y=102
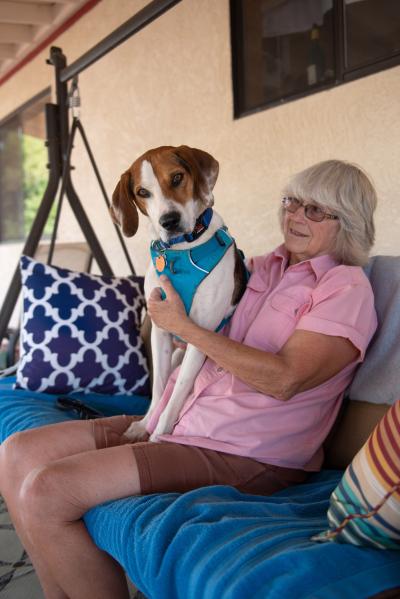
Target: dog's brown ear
x=204 y=169
x=123 y=209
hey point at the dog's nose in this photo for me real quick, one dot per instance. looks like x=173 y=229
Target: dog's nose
x=170 y=220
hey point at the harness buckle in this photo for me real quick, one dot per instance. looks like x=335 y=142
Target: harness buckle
x=219 y=239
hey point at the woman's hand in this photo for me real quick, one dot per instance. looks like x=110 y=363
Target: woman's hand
x=168 y=314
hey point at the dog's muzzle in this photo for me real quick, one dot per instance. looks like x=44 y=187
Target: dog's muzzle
x=170 y=221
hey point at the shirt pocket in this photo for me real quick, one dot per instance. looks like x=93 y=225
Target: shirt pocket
x=293 y=307
x=276 y=321
x=285 y=304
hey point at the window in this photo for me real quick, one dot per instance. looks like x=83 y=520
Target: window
x=372 y=32
x=23 y=170
x=286 y=49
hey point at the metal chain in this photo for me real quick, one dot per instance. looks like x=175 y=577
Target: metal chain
x=74 y=98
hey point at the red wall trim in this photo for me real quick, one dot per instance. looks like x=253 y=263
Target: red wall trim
x=47 y=41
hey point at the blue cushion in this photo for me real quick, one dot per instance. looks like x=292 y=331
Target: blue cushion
x=21 y=409
x=80 y=332
x=215 y=542
x=218 y=543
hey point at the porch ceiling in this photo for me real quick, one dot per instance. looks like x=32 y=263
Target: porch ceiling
x=24 y=24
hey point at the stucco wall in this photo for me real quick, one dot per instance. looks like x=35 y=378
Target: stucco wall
x=171 y=84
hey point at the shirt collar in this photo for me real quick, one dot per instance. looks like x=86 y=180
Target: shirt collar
x=319 y=265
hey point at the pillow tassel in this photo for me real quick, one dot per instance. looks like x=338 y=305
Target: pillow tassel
x=331 y=534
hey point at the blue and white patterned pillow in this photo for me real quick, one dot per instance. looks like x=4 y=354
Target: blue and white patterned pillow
x=80 y=332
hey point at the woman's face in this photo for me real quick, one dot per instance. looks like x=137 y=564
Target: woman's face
x=306 y=239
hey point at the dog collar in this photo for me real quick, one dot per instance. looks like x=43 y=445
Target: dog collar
x=201 y=225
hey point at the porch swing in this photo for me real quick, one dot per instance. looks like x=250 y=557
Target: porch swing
x=74 y=103
x=60 y=143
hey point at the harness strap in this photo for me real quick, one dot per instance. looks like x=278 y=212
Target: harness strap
x=187 y=268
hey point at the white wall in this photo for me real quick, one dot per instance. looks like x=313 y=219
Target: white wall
x=171 y=84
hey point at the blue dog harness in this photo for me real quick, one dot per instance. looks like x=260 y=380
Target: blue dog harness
x=187 y=268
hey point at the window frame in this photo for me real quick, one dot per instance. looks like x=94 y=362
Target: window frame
x=342 y=74
x=39 y=96
x=7 y=119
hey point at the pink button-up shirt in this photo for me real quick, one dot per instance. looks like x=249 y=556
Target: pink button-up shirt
x=225 y=414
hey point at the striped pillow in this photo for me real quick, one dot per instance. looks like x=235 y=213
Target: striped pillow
x=365 y=506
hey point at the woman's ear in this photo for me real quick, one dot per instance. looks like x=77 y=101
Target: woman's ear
x=123 y=209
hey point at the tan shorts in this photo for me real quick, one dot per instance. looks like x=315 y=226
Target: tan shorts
x=169 y=467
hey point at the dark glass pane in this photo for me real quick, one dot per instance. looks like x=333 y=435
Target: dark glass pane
x=11 y=182
x=372 y=30
x=287 y=48
x=23 y=172
x=34 y=160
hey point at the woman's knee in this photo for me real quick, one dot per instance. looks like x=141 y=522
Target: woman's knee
x=47 y=498
x=13 y=454
x=39 y=498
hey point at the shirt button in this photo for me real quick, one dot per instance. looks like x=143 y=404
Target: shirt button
x=220 y=369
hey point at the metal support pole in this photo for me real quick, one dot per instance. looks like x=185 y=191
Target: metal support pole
x=58 y=60
x=144 y=17
x=35 y=234
x=104 y=193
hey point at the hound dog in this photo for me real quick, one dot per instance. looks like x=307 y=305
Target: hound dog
x=173 y=186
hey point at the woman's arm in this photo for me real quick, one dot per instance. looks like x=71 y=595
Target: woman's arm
x=305 y=361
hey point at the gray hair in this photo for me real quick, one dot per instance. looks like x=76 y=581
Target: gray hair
x=345 y=190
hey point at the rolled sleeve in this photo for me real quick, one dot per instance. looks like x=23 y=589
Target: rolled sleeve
x=347 y=311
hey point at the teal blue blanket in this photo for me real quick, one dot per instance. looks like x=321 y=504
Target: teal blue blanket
x=217 y=543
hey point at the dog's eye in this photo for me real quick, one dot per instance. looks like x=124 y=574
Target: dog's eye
x=176 y=179
x=143 y=193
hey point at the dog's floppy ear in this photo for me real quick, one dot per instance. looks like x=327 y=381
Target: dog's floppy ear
x=123 y=209
x=204 y=169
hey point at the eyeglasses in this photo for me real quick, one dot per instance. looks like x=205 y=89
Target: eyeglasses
x=68 y=404
x=311 y=211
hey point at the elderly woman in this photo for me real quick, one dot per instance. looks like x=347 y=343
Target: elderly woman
x=262 y=405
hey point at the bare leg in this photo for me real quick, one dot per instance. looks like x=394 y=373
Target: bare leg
x=23 y=452
x=64 y=490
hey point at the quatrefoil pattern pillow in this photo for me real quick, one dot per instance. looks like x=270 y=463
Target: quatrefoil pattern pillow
x=80 y=332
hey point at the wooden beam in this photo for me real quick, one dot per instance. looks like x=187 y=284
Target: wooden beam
x=19 y=34
x=69 y=13
x=58 y=2
x=24 y=13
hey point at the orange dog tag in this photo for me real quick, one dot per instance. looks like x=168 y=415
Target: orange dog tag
x=160 y=263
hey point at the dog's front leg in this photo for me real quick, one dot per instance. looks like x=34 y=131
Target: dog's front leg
x=161 y=343
x=191 y=365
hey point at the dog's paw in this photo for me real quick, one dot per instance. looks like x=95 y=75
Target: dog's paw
x=137 y=431
x=153 y=437
x=162 y=428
